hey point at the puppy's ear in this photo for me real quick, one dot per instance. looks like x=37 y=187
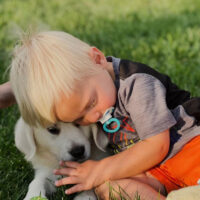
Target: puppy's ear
x=99 y=137
x=24 y=139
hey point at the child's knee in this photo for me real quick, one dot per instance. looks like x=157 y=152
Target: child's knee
x=102 y=191
x=113 y=188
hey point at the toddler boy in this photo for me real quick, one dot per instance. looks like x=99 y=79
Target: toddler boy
x=55 y=76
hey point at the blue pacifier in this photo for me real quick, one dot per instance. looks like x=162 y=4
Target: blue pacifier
x=107 y=119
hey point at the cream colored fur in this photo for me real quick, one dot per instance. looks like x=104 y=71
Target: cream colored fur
x=44 y=150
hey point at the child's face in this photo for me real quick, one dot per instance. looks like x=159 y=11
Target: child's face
x=92 y=97
x=89 y=102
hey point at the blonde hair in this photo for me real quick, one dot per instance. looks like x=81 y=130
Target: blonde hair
x=45 y=65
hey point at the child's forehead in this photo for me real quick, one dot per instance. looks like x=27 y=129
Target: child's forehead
x=68 y=108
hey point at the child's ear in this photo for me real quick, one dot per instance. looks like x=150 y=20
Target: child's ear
x=97 y=56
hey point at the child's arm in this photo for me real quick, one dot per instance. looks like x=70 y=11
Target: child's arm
x=6 y=95
x=135 y=160
x=141 y=157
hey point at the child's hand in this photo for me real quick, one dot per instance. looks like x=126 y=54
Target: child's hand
x=85 y=176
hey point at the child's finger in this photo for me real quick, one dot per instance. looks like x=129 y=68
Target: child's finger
x=67 y=181
x=64 y=171
x=74 y=189
x=69 y=164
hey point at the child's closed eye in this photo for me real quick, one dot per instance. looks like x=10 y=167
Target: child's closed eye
x=92 y=104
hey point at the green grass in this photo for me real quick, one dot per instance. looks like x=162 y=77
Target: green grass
x=163 y=34
x=120 y=194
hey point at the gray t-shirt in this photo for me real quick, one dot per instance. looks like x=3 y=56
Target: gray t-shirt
x=142 y=111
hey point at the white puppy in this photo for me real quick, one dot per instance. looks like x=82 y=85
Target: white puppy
x=44 y=148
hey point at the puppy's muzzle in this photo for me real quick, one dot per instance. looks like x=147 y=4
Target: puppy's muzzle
x=78 y=153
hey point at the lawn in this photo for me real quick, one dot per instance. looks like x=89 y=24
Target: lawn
x=163 y=34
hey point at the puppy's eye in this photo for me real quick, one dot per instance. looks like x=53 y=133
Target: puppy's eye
x=77 y=125
x=53 y=130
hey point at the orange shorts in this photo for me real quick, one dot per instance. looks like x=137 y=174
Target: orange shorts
x=181 y=170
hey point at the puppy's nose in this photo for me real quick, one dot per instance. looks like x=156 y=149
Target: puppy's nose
x=78 y=152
